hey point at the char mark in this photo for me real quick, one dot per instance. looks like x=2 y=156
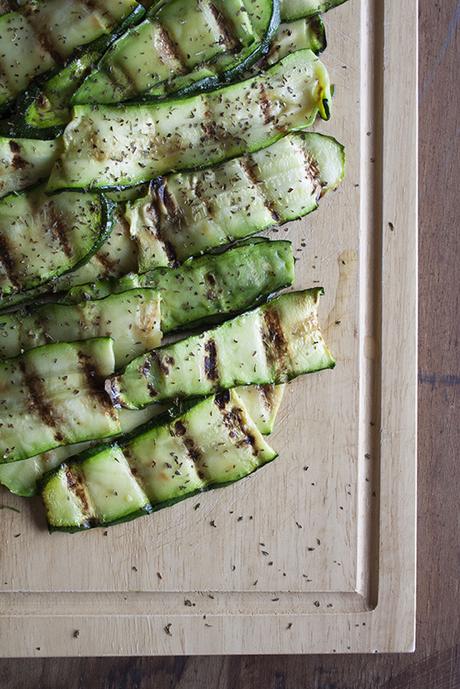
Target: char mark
x=192 y=450
x=75 y=484
x=103 y=391
x=251 y=173
x=163 y=199
x=222 y=399
x=17 y=162
x=170 y=48
x=276 y=346
x=225 y=27
x=58 y=229
x=210 y=360
x=265 y=104
x=234 y=421
x=8 y=262
x=40 y=404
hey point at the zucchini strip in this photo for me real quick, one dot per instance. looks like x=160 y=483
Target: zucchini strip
x=202 y=289
x=24 y=477
x=214 y=443
x=43 y=237
x=297 y=9
x=53 y=396
x=113 y=146
x=131 y=319
x=24 y=162
x=183 y=46
x=44 y=108
x=271 y=344
x=209 y=288
x=44 y=36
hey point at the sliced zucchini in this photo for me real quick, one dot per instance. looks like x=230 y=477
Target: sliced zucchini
x=214 y=443
x=131 y=318
x=53 y=396
x=272 y=344
x=110 y=146
x=189 y=213
x=43 y=36
x=205 y=288
x=42 y=237
x=44 y=108
x=23 y=477
x=24 y=162
x=196 y=44
x=296 y=9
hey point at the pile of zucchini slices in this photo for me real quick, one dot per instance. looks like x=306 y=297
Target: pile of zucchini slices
x=143 y=146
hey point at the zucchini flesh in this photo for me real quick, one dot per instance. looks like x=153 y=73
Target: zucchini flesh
x=110 y=146
x=262 y=403
x=205 y=288
x=24 y=162
x=131 y=318
x=296 y=9
x=213 y=443
x=53 y=395
x=44 y=35
x=302 y=34
x=186 y=214
x=271 y=344
x=43 y=237
x=183 y=43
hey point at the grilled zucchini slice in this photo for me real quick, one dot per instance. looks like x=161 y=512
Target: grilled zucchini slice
x=214 y=443
x=54 y=395
x=182 y=45
x=111 y=146
x=271 y=344
x=43 y=237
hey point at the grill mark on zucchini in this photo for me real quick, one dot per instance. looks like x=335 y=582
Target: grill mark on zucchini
x=312 y=170
x=8 y=262
x=39 y=402
x=225 y=27
x=275 y=342
x=250 y=172
x=171 y=48
x=265 y=104
x=96 y=383
x=193 y=450
x=210 y=360
x=161 y=195
x=58 y=230
x=48 y=47
x=17 y=162
x=233 y=420
x=76 y=486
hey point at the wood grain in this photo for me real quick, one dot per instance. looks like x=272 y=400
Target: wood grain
x=436 y=664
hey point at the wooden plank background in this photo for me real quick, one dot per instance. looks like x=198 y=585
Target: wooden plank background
x=436 y=664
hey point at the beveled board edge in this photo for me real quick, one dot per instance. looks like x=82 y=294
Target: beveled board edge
x=390 y=625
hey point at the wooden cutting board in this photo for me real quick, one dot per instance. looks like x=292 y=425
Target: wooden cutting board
x=316 y=553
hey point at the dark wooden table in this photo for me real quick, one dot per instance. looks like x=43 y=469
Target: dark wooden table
x=436 y=664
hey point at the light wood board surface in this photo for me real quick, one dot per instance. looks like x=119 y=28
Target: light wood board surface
x=323 y=559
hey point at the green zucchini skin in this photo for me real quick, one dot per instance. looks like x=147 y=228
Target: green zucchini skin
x=205 y=289
x=42 y=46
x=298 y=9
x=54 y=395
x=44 y=237
x=44 y=108
x=272 y=344
x=190 y=133
x=25 y=162
x=210 y=45
x=131 y=319
x=213 y=443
